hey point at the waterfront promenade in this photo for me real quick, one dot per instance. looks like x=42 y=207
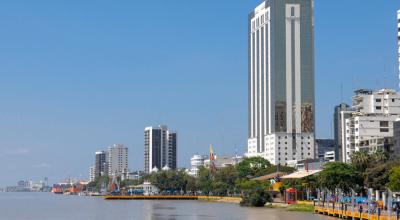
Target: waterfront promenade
x=342 y=211
x=173 y=197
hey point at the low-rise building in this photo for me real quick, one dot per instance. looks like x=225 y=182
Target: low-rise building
x=307 y=164
x=330 y=156
x=148 y=188
x=132 y=175
x=196 y=161
x=224 y=161
x=324 y=145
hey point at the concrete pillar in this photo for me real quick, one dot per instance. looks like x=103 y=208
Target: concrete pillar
x=384 y=198
x=377 y=195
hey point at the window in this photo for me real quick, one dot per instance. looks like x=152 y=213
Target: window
x=384 y=123
x=392 y=100
x=378 y=107
x=384 y=129
x=378 y=100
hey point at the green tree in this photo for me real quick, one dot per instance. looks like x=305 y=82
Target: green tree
x=337 y=175
x=191 y=185
x=380 y=156
x=204 y=180
x=394 y=179
x=361 y=160
x=169 y=181
x=246 y=186
x=377 y=177
x=227 y=176
x=253 y=167
x=220 y=188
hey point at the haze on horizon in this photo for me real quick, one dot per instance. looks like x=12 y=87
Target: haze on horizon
x=78 y=76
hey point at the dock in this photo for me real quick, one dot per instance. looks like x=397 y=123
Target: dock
x=173 y=197
x=349 y=214
x=153 y=197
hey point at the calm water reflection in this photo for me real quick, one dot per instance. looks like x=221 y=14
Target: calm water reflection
x=46 y=206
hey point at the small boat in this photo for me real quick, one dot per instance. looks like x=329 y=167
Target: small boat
x=57 y=190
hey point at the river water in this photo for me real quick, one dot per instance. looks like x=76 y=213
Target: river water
x=47 y=206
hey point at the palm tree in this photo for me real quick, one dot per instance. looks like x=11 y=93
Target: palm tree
x=360 y=160
x=380 y=156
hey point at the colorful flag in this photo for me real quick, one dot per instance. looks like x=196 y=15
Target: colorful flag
x=212 y=160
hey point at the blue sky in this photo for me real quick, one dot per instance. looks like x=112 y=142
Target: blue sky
x=78 y=76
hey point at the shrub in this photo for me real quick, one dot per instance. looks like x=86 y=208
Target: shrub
x=256 y=198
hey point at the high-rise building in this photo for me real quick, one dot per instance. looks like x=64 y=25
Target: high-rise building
x=342 y=112
x=100 y=165
x=92 y=173
x=398 y=39
x=160 y=147
x=370 y=127
x=117 y=159
x=281 y=81
x=396 y=138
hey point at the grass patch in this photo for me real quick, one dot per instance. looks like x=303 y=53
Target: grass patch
x=301 y=208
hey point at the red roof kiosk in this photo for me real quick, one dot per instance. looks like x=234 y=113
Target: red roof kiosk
x=291 y=196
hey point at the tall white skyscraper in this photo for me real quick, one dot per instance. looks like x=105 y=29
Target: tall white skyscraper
x=160 y=147
x=398 y=39
x=117 y=159
x=281 y=81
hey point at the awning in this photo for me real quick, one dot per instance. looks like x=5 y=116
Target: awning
x=269 y=176
x=301 y=174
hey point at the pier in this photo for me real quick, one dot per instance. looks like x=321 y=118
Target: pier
x=354 y=214
x=153 y=197
x=172 y=197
